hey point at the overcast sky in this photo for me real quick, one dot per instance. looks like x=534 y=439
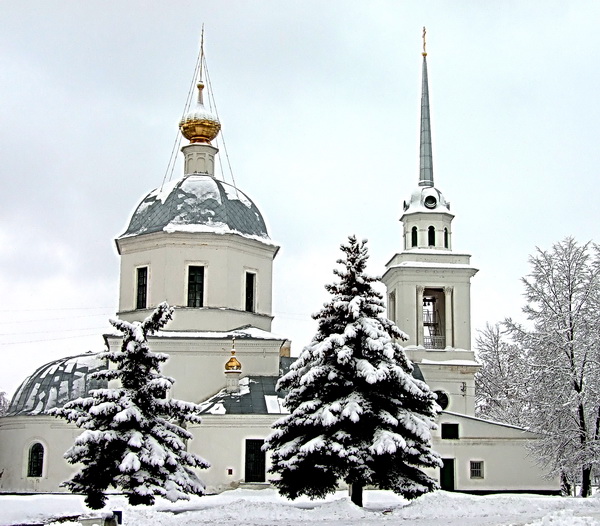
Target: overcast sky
x=320 y=104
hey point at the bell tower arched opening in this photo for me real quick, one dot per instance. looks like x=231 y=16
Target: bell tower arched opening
x=434 y=310
x=431 y=236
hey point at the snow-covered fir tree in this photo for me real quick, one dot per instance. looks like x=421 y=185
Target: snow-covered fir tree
x=356 y=413
x=133 y=440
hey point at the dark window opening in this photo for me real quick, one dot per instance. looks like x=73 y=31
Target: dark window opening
x=446 y=238
x=431 y=236
x=35 y=463
x=250 y=289
x=142 y=288
x=255 y=461
x=449 y=431
x=413 y=236
x=476 y=469
x=195 y=287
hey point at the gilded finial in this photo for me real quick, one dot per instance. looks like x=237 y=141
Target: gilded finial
x=201 y=58
x=424 y=42
x=233 y=364
x=200 y=125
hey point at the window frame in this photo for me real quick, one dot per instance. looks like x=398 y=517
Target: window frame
x=188 y=290
x=414 y=237
x=391 y=306
x=138 y=290
x=250 y=300
x=35 y=464
x=476 y=466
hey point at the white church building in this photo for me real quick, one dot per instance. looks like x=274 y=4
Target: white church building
x=201 y=245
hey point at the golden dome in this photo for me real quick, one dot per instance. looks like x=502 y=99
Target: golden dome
x=233 y=364
x=199 y=124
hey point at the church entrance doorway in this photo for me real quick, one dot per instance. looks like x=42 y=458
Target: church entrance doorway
x=447 y=474
x=255 y=461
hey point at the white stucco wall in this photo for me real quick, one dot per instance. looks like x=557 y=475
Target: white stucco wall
x=225 y=257
x=197 y=363
x=221 y=440
x=17 y=434
x=409 y=270
x=508 y=464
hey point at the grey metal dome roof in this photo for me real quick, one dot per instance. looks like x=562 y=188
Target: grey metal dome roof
x=427 y=199
x=55 y=383
x=197 y=203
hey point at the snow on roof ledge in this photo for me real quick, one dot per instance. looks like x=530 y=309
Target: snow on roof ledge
x=493 y=422
x=243 y=333
x=468 y=363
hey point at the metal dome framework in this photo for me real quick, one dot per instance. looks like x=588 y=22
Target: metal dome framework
x=55 y=383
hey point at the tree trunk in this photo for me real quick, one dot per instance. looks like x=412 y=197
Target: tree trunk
x=356 y=494
x=586 y=481
x=566 y=489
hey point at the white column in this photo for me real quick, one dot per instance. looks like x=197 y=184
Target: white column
x=448 y=310
x=420 y=336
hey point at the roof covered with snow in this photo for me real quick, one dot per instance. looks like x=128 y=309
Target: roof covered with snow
x=247 y=332
x=257 y=395
x=57 y=382
x=197 y=203
x=427 y=199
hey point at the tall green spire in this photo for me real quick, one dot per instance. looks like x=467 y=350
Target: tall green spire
x=426 y=157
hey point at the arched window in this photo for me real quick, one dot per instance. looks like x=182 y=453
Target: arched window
x=413 y=236
x=35 y=463
x=431 y=236
x=445 y=238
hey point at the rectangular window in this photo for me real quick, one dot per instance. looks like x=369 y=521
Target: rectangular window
x=476 y=469
x=142 y=288
x=450 y=431
x=195 y=287
x=392 y=306
x=250 y=289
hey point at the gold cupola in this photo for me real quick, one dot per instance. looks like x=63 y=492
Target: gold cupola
x=199 y=125
x=233 y=371
x=233 y=364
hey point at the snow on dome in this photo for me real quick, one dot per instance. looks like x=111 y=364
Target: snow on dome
x=427 y=199
x=198 y=203
x=55 y=383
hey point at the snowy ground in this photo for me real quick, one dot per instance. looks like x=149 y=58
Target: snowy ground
x=250 y=507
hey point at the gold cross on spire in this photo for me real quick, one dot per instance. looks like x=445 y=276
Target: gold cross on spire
x=424 y=42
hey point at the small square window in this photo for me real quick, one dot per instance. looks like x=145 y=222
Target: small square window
x=450 y=431
x=476 y=469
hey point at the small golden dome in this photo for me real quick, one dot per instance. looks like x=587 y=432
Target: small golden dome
x=199 y=124
x=233 y=364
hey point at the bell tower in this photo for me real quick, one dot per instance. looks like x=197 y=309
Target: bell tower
x=429 y=285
